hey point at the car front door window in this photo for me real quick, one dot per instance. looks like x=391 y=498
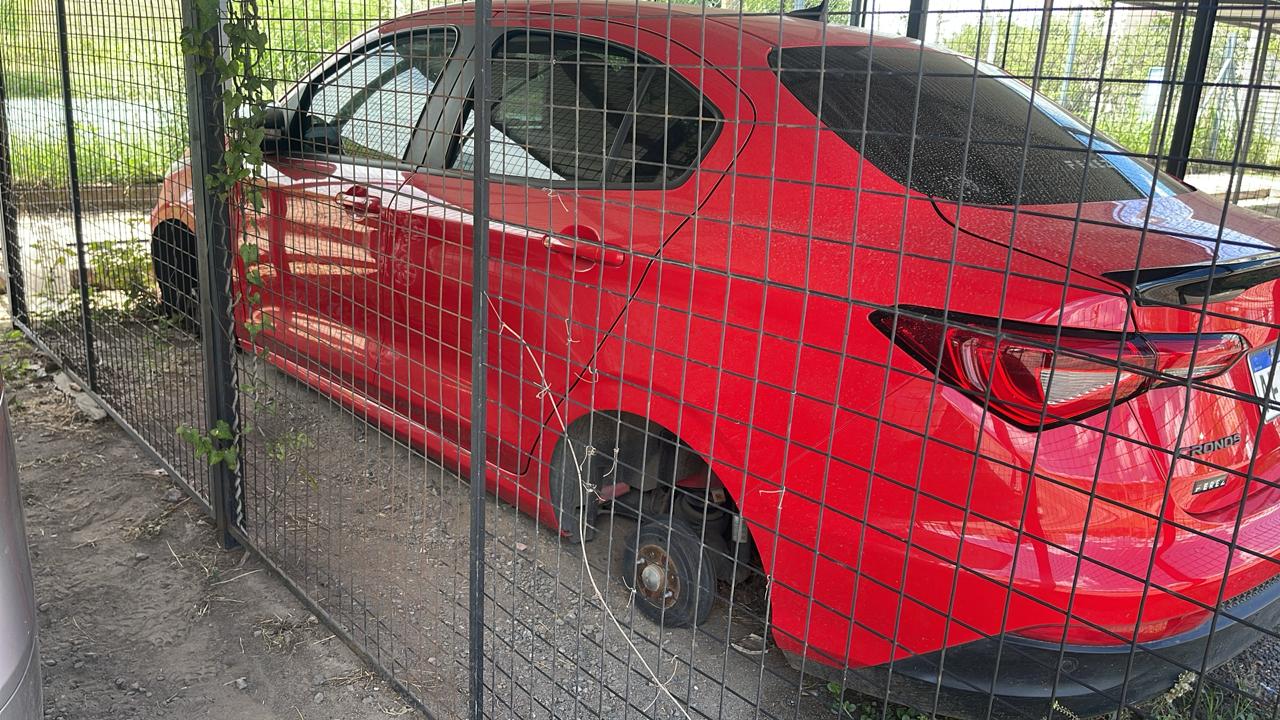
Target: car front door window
x=374 y=102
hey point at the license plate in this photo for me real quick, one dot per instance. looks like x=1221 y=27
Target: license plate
x=1266 y=381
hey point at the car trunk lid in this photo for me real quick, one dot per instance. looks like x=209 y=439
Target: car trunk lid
x=1190 y=267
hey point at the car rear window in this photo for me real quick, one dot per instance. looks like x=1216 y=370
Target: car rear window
x=957 y=129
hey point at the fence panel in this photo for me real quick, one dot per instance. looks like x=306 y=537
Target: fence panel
x=746 y=365
x=41 y=180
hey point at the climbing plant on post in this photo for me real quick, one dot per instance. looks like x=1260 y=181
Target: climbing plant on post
x=223 y=43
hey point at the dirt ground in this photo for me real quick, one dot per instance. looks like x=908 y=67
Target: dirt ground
x=142 y=615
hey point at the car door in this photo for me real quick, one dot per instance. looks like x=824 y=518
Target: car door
x=326 y=232
x=592 y=145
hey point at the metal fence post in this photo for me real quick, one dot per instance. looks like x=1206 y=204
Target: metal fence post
x=917 y=19
x=479 y=344
x=9 y=219
x=1184 y=123
x=213 y=240
x=73 y=180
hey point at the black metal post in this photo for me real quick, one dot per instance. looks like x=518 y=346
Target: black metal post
x=77 y=212
x=1184 y=123
x=215 y=254
x=917 y=19
x=855 y=13
x=479 y=345
x=1170 y=55
x=9 y=219
x=1257 y=78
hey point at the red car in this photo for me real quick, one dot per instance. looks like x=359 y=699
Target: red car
x=986 y=399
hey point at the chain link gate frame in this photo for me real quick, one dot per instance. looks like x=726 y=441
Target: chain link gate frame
x=494 y=611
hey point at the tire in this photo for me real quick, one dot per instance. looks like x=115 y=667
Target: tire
x=628 y=450
x=671 y=572
x=173 y=260
x=572 y=501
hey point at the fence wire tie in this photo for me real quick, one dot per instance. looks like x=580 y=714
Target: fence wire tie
x=614 y=467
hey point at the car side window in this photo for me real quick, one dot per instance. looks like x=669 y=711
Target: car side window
x=570 y=108
x=374 y=102
x=673 y=126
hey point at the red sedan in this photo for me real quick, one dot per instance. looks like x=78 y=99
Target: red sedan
x=988 y=400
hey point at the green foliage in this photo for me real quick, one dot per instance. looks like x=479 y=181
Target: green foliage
x=291 y=446
x=851 y=705
x=1110 y=68
x=124 y=266
x=244 y=95
x=215 y=446
x=137 y=59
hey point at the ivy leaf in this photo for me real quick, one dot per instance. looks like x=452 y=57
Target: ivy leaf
x=249 y=252
x=230 y=456
x=221 y=431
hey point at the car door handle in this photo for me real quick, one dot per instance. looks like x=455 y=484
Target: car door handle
x=358 y=203
x=591 y=251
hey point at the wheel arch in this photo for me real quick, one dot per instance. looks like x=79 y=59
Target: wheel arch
x=717 y=441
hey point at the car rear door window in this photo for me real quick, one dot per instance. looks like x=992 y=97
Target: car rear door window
x=953 y=128
x=377 y=98
x=570 y=108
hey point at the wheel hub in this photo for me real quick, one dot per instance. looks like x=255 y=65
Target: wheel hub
x=657 y=577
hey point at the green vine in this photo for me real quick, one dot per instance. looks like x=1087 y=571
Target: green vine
x=244 y=94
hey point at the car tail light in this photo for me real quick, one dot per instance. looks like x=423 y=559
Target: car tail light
x=1037 y=377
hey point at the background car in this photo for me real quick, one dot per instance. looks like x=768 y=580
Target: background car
x=951 y=413
x=20 y=687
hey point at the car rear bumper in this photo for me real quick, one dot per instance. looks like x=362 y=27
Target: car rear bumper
x=26 y=703
x=1014 y=677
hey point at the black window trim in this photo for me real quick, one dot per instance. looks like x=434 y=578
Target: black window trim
x=339 y=61
x=465 y=103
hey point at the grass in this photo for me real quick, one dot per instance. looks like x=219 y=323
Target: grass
x=1229 y=693
x=132 y=52
x=40 y=161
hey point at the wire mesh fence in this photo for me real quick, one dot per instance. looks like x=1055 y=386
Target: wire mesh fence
x=614 y=359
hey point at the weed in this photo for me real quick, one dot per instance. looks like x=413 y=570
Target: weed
x=125 y=266
x=1228 y=696
x=853 y=705
x=290 y=446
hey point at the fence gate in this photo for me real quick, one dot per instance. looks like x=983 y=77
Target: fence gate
x=755 y=360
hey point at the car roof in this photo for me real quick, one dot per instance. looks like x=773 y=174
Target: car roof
x=774 y=29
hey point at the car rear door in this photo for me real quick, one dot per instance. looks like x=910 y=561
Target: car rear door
x=587 y=189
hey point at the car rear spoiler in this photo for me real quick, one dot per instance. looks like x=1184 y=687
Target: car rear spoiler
x=1198 y=284
x=817 y=13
